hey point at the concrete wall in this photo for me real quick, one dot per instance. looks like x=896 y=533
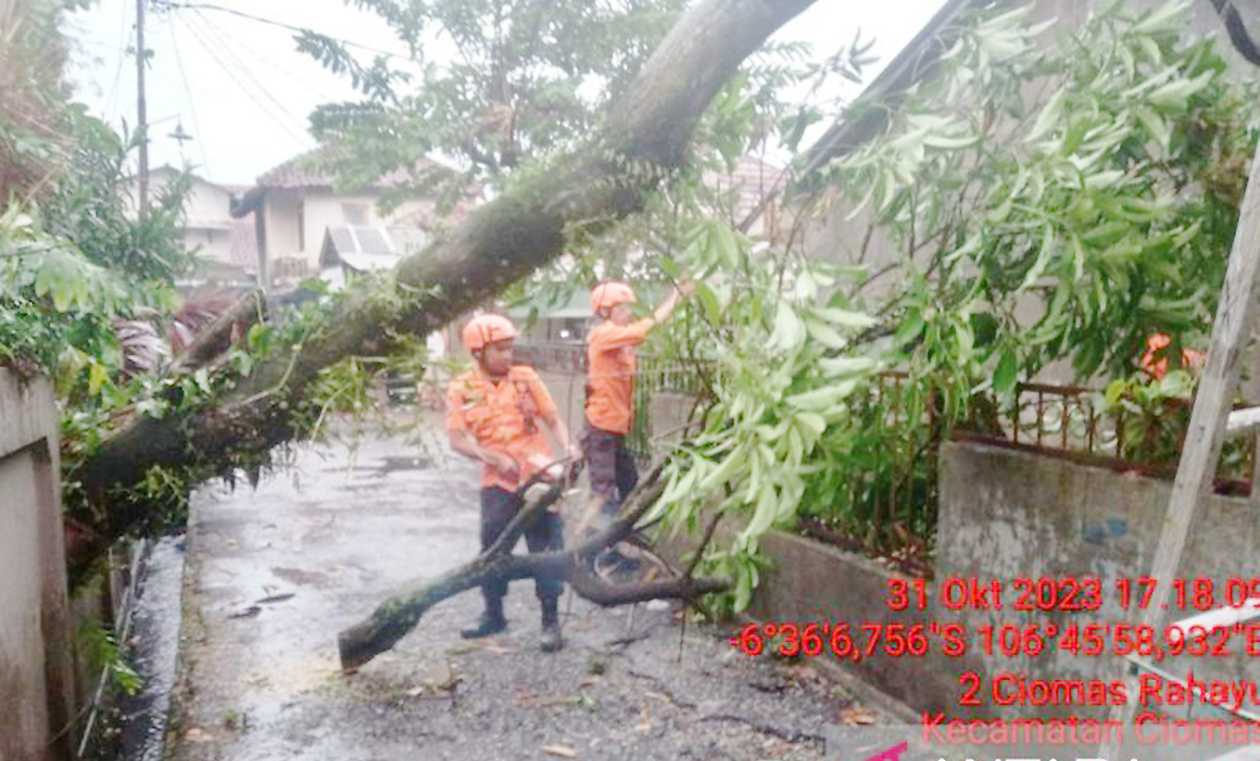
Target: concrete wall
x=812 y=582
x=36 y=655
x=1007 y=513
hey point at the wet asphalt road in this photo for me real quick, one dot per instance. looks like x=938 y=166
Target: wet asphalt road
x=274 y=573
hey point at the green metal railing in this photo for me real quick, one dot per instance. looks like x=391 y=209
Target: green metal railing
x=655 y=376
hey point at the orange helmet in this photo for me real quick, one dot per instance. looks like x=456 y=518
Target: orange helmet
x=486 y=329
x=610 y=294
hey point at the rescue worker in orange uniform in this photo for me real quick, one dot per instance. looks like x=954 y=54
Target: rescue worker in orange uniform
x=610 y=354
x=1156 y=365
x=495 y=414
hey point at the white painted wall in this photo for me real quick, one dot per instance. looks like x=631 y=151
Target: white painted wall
x=321 y=209
x=207 y=221
x=281 y=208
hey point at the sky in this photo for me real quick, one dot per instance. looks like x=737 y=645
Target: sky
x=240 y=88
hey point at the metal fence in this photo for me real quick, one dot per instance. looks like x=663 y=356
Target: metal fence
x=653 y=376
x=1073 y=422
x=558 y=357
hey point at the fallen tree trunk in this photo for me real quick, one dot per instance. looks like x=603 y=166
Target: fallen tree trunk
x=218 y=337
x=398 y=615
x=645 y=136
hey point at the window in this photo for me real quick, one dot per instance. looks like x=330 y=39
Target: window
x=301 y=225
x=355 y=213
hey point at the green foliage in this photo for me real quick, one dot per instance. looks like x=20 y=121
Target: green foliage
x=1152 y=417
x=528 y=81
x=784 y=375
x=104 y=654
x=1111 y=202
x=1108 y=205
x=1153 y=414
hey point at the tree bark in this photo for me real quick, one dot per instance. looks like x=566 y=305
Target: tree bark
x=218 y=336
x=645 y=136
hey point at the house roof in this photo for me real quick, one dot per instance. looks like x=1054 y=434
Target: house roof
x=309 y=170
x=870 y=111
x=168 y=169
x=752 y=179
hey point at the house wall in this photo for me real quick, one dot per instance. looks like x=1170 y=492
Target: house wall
x=281 y=218
x=207 y=206
x=208 y=226
x=213 y=245
x=321 y=209
x=207 y=223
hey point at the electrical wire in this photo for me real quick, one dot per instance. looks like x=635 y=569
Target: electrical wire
x=124 y=42
x=280 y=24
x=218 y=36
x=239 y=84
x=254 y=54
x=192 y=106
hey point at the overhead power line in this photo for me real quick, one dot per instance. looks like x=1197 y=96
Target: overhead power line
x=192 y=101
x=280 y=24
x=227 y=69
x=124 y=42
x=224 y=44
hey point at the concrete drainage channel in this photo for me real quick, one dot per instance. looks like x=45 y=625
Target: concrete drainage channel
x=133 y=727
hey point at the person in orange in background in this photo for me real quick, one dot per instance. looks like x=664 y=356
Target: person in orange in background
x=610 y=357
x=1155 y=364
x=493 y=416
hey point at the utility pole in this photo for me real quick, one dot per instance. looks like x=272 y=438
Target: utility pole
x=142 y=124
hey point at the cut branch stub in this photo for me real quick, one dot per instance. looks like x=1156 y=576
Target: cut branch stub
x=394 y=618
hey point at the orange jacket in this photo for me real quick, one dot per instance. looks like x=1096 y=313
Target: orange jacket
x=503 y=417
x=1158 y=368
x=610 y=374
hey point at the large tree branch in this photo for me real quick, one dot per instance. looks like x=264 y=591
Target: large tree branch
x=497 y=244
x=394 y=618
x=215 y=339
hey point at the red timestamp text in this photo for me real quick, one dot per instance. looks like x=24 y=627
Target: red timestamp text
x=1120 y=639
x=1045 y=594
x=854 y=642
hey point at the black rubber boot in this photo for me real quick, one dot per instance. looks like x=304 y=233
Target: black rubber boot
x=491 y=621
x=551 y=641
